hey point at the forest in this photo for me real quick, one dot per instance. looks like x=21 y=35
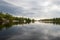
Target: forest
x=7 y=18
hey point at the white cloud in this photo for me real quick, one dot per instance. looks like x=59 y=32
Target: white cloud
x=37 y=8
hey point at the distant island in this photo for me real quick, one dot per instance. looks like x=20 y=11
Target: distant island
x=52 y=20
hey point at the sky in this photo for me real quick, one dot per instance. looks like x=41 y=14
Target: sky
x=37 y=9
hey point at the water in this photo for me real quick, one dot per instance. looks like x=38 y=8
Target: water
x=32 y=31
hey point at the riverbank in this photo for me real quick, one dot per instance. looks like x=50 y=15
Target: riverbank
x=6 y=17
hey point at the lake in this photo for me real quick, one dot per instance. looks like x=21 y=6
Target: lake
x=30 y=31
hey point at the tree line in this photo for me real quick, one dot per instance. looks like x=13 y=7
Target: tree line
x=53 y=20
x=6 y=17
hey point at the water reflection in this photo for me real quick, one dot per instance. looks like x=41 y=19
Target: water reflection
x=51 y=22
x=32 y=31
x=8 y=25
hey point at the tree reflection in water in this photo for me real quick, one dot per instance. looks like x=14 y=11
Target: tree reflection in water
x=50 y=22
x=8 y=25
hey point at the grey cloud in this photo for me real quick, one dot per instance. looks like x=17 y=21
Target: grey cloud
x=57 y=2
x=55 y=13
x=9 y=8
x=34 y=8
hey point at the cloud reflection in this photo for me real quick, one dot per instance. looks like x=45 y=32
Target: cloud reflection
x=37 y=32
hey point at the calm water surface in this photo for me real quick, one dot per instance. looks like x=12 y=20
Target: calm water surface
x=32 y=31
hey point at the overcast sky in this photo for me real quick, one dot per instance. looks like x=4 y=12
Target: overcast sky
x=31 y=8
